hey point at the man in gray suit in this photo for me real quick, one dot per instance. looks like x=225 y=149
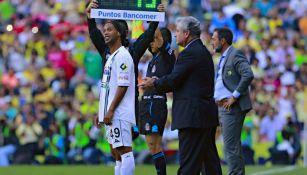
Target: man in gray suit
x=231 y=94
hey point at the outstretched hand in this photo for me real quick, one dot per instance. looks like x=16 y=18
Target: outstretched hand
x=160 y=8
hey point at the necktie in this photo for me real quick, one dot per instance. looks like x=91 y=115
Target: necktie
x=219 y=66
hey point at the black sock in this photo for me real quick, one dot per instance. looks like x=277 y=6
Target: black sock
x=160 y=163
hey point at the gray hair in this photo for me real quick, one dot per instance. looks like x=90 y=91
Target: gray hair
x=189 y=23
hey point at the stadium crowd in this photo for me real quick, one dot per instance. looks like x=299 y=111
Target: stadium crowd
x=50 y=74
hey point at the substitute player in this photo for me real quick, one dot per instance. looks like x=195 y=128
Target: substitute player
x=137 y=49
x=118 y=88
x=153 y=108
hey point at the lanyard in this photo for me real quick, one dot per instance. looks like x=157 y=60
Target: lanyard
x=153 y=61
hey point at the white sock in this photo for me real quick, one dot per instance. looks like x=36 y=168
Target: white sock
x=127 y=167
x=117 y=167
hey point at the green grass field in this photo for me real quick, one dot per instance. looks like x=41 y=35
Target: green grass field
x=140 y=170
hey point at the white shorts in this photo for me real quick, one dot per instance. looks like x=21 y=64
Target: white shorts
x=119 y=133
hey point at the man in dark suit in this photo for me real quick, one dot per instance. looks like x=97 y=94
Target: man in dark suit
x=233 y=78
x=195 y=113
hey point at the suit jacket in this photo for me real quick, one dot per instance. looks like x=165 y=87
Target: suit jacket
x=237 y=75
x=192 y=84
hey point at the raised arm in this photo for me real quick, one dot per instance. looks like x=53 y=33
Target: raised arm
x=139 y=47
x=95 y=34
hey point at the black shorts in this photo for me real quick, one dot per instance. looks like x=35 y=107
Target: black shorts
x=136 y=109
x=152 y=116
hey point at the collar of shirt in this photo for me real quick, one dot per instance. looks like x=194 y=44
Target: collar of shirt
x=114 y=53
x=191 y=42
x=225 y=52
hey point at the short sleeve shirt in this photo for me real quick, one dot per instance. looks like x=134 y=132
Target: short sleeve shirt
x=118 y=71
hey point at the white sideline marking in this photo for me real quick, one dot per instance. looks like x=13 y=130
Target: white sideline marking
x=276 y=170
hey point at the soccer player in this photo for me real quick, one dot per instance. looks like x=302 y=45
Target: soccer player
x=153 y=108
x=137 y=49
x=118 y=88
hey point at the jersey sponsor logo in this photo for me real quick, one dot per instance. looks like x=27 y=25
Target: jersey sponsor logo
x=147 y=127
x=116 y=141
x=123 y=72
x=127 y=156
x=146 y=97
x=123 y=77
x=124 y=66
x=106 y=72
x=104 y=85
x=154 y=128
x=170 y=52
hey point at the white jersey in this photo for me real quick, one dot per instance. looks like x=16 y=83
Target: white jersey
x=118 y=71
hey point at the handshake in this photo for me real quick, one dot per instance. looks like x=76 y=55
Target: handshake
x=148 y=83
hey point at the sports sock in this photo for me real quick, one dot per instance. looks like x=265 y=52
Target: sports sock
x=127 y=167
x=117 y=167
x=160 y=163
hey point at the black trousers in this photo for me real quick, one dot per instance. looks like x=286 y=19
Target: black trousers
x=197 y=146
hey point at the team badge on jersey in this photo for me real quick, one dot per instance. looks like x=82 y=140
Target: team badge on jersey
x=229 y=73
x=123 y=66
